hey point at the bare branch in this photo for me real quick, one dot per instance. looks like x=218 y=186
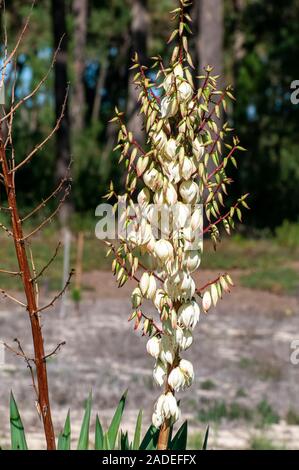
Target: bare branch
x=57 y=297
x=45 y=201
x=21 y=35
x=36 y=89
x=6 y=229
x=17 y=353
x=12 y=273
x=55 y=351
x=7 y=295
x=47 y=265
x=50 y=218
x=49 y=136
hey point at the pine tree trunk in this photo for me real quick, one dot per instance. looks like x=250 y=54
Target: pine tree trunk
x=210 y=40
x=63 y=150
x=139 y=35
x=80 y=8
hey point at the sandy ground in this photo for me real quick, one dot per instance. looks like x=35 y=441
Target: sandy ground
x=242 y=347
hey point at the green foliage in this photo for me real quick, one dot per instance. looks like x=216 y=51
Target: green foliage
x=112 y=439
x=287 y=235
x=292 y=417
x=64 y=438
x=267 y=414
x=263 y=443
x=280 y=280
x=83 y=442
x=263 y=415
x=18 y=439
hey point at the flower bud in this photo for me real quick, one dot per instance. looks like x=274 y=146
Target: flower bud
x=144 y=283
x=206 y=301
x=151 y=288
x=136 y=297
x=153 y=346
x=196 y=219
x=189 y=192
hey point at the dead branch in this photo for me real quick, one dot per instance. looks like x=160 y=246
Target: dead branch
x=19 y=40
x=6 y=229
x=36 y=89
x=34 y=279
x=10 y=297
x=51 y=217
x=58 y=296
x=49 y=136
x=55 y=351
x=17 y=353
x=27 y=360
x=11 y=273
x=45 y=201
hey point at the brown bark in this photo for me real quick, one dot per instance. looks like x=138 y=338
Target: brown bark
x=210 y=39
x=28 y=285
x=139 y=37
x=80 y=8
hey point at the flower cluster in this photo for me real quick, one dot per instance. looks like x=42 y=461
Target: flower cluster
x=183 y=183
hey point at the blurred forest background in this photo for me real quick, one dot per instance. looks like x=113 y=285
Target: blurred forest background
x=253 y=43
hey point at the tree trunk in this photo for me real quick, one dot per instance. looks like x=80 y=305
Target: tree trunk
x=139 y=36
x=80 y=8
x=210 y=39
x=63 y=150
x=29 y=291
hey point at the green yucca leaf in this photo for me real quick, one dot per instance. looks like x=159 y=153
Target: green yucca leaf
x=124 y=441
x=18 y=438
x=116 y=420
x=179 y=442
x=84 y=433
x=99 y=435
x=150 y=439
x=107 y=445
x=64 y=438
x=137 y=434
x=205 y=442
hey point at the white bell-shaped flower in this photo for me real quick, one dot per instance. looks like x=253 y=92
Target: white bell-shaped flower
x=188 y=314
x=159 y=373
x=153 y=346
x=189 y=191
